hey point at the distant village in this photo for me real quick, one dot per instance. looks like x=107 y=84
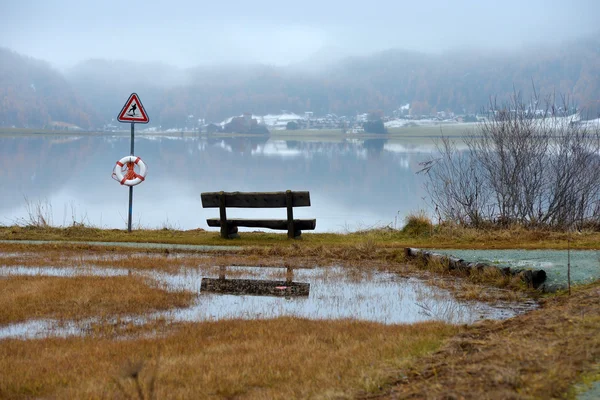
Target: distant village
x=372 y=122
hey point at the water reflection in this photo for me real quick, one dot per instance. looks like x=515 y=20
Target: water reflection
x=335 y=293
x=354 y=183
x=255 y=287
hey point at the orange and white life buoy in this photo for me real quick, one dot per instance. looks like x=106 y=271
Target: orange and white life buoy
x=128 y=176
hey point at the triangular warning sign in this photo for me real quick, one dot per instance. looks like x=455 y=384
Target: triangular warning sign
x=133 y=111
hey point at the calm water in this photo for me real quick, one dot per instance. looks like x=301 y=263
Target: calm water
x=585 y=264
x=335 y=293
x=354 y=184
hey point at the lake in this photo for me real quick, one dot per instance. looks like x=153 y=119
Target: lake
x=354 y=183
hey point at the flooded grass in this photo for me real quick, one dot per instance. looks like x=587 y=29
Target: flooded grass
x=195 y=351
x=79 y=297
x=487 y=285
x=372 y=286
x=330 y=293
x=279 y=359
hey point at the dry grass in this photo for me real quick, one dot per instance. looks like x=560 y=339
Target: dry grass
x=446 y=236
x=275 y=359
x=72 y=298
x=417 y=224
x=538 y=355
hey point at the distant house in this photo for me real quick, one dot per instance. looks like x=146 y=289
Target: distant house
x=362 y=117
x=403 y=111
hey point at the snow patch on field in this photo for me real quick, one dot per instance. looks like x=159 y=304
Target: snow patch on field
x=401 y=123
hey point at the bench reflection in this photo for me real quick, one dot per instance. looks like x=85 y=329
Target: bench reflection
x=255 y=287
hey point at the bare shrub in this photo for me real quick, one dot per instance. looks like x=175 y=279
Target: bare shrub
x=39 y=214
x=523 y=166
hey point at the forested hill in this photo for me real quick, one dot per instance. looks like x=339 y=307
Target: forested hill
x=462 y=82
x=33 y=94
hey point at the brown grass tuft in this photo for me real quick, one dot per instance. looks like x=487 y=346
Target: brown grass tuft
x=418 y=224
x=27 y=297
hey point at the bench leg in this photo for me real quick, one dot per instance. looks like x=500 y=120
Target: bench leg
x=223 y=216
x=289 y=202
x=232 y=232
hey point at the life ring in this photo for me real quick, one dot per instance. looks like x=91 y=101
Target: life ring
x=128 y=176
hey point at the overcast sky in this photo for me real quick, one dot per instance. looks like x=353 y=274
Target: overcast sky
x=191 y=32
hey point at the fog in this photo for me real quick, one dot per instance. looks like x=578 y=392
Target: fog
x=188 y=32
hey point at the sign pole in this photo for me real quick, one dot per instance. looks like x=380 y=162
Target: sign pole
x=130 y=187
x=133 y=112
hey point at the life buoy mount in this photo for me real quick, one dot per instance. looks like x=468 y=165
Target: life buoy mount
x=124 y=171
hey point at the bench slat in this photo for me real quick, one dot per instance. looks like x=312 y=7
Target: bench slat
x=281 y=224
x=254 y=199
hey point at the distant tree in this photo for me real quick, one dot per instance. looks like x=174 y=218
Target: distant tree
x=212 y=128
x=292 y=126
x=245 y=125
x=469 y=118
x=375 y=115
x=237 y=125
x=258 y=129
x=374 y=127
x=374 y=122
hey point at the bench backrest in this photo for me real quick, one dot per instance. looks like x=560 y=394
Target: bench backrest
x=255 y=199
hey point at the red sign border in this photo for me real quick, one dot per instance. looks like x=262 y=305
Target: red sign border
x=124 y=118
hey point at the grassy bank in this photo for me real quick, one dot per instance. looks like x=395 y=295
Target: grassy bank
x=539 y=355
x=445 y=237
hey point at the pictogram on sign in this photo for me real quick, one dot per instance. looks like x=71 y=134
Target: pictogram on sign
x=133 y=111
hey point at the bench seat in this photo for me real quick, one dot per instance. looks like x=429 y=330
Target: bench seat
x=281 y=224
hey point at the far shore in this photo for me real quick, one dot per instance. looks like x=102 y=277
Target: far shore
x=437 y=130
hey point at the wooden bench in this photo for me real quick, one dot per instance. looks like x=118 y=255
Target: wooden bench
x=287 y=199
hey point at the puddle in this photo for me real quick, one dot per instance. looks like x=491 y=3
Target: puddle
x=591 y=393
x=585 y=264
x=324 y=293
